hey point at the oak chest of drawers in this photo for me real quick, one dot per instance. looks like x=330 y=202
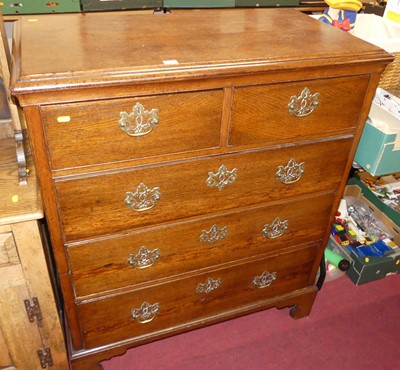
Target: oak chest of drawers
x=190 y=163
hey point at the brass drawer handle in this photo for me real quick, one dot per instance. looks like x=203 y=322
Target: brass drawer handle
x=145 y=313
x=276 y=229
x=221 y=178
x=208 y=286
x=144 y=258
x=304 y=104
x=214 y=234
x=143 y=198
x=139 y=122
x=264 y=280
x=290 y=173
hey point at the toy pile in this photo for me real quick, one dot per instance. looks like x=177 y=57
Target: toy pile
x=357 y=229
x=387 y=192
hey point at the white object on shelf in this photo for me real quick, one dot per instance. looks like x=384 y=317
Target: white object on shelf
x=378 y=31
x=392 y=11
x=388 y=102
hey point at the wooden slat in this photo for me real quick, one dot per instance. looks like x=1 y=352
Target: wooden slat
x=8 y=251
x=13 y=291
x=5 y=64
x=17 y=203
x=33 y=261
x=5 y=359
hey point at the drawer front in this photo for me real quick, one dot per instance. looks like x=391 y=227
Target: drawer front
x=175 y=249
x=113 y=203
x=261 y=114
x=181 y=301
x=82 y=134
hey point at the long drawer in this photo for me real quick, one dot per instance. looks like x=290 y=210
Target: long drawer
x=171 y=250
x=283 y=113
x=146 y=311
x=107 y=204
x=82 y=134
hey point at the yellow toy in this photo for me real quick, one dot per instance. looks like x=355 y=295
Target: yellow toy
x=341 y=13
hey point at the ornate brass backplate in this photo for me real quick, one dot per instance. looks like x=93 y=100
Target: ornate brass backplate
x=304 y=104
x=214 y=234
x=276 y=229
x=264 y=280
x=144 y=258
x=208 y=286
x=145 y=313
x=143 y=198
x=290 y=173
x=222 y=177
x=139 y=122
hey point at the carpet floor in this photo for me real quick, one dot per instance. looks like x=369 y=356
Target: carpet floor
x=350 y=327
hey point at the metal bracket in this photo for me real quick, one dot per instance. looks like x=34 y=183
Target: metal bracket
x=23 y=171
x=33 y=310
x=45 y=357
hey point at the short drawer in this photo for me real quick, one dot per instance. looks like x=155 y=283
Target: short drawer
x=154 y=254
x=83 y=134
x=116 y=202
x=272 y=114
x=160 y=307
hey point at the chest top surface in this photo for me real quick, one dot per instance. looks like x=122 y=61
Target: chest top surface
x=95 y=48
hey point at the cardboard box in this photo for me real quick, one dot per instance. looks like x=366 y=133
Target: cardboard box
x=390 y=212
x=40 y=6
x=378 y=151
x=356 y=192
x=363 y=270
